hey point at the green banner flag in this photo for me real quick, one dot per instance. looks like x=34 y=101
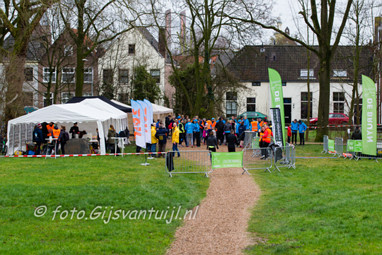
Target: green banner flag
x=369 y=117
x=350 y=145
x=331 y=145
x=277 y=97
x=227 y=159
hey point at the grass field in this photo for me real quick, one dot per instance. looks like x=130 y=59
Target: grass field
x=84 y=183
x=325 y=206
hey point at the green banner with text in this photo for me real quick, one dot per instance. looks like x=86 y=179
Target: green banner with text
x=227 y=159
x=331 y=145
x=277 y=97
x=369 y=117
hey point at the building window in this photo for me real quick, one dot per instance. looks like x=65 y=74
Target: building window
x=340 y=73
x=131 y=49
x=46 y=102
x=251 y=104
x=155 y=73
x=304 y=105
x=66 y=96
x=304 y=73
x=67 y=75
x=88 y=75
x=68 y=50
x=86 y=94
x=231 y=104
x=256 y=83
x=107 y=76
x=338 y=102
x=123 y=76
x=283 y=83
x=49 y=74
x=28 y=72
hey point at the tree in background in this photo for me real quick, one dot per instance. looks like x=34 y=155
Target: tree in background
x=19 y=19
x=97 y=22
x=144 y=86
x=322 y=27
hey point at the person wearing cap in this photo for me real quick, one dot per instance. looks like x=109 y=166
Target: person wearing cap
x=294 y=127
x=231 y=141
x=74 y=130
x=56 y=134
x=38 y=138
x=196 y=134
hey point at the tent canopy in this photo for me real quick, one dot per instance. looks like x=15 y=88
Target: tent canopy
x=122 y=107
x=90 y=114
x=157 y=109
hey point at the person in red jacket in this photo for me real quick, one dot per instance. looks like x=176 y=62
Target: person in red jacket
x=289 y=133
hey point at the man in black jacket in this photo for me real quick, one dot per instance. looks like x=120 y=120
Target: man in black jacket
x=220 y=131
x=231 y=142
x=357 y=135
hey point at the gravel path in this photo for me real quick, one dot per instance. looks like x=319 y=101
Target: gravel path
x=221 y=223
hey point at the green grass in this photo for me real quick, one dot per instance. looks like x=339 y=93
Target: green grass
x=85 y=183
x=325 y=206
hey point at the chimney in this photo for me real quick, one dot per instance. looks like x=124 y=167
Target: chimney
x=168 y=27
x=182 y=32
x=162 y=41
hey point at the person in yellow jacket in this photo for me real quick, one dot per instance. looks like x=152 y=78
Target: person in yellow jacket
x=175 y=139
x=154 y=140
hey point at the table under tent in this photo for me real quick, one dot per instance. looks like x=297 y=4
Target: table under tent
x=90 y=115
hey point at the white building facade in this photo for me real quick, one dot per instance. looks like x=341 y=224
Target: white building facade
x=134 y=48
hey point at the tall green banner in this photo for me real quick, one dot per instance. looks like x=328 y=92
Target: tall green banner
x=369 y=117
x=277 y=97
x=227 y=159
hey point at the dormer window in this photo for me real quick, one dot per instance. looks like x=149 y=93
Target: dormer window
x=340 y=73
x=304 y=73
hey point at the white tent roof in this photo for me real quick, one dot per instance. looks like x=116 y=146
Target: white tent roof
x=98 y=104
x=63 y=113
x=157 y=109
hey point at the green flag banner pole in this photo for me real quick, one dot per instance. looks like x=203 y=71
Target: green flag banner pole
x=227 y=159
x=277 y=97
x=369 y=117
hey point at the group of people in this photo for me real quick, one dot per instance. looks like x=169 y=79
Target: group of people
x=210 y=132
x=48 y=137
x=295 y=127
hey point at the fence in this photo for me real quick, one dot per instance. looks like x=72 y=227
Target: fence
x=249 y=137
x=270 y=158
x=339 y=146
x=326 y=144
x=285 y=157
x=189 y=162
x=354 y=150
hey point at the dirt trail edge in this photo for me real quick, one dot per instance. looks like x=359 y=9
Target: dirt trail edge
x=221 y=223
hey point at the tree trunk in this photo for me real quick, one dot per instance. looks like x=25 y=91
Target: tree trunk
x=14 y=87
x=324 y=100
x=80 y=40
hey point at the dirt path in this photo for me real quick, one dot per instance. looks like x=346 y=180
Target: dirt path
x=221 y=223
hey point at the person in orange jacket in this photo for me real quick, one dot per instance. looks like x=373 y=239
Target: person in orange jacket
x=266 y=140
x=254 y=125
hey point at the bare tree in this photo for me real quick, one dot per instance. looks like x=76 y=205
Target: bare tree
x=322 y=27
x=207 y=25
x=19 y=19
x=97 y=22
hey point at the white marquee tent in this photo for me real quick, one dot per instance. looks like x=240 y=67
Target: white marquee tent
x=90 y=115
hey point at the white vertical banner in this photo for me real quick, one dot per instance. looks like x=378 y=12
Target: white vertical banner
x=147 y=128
x=138 y=123
x=150 y=112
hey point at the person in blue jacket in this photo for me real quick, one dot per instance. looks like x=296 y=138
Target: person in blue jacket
x=294 y=127
x=246 y=123
x=189 y=133
x=196 y=134
x=301 y=130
